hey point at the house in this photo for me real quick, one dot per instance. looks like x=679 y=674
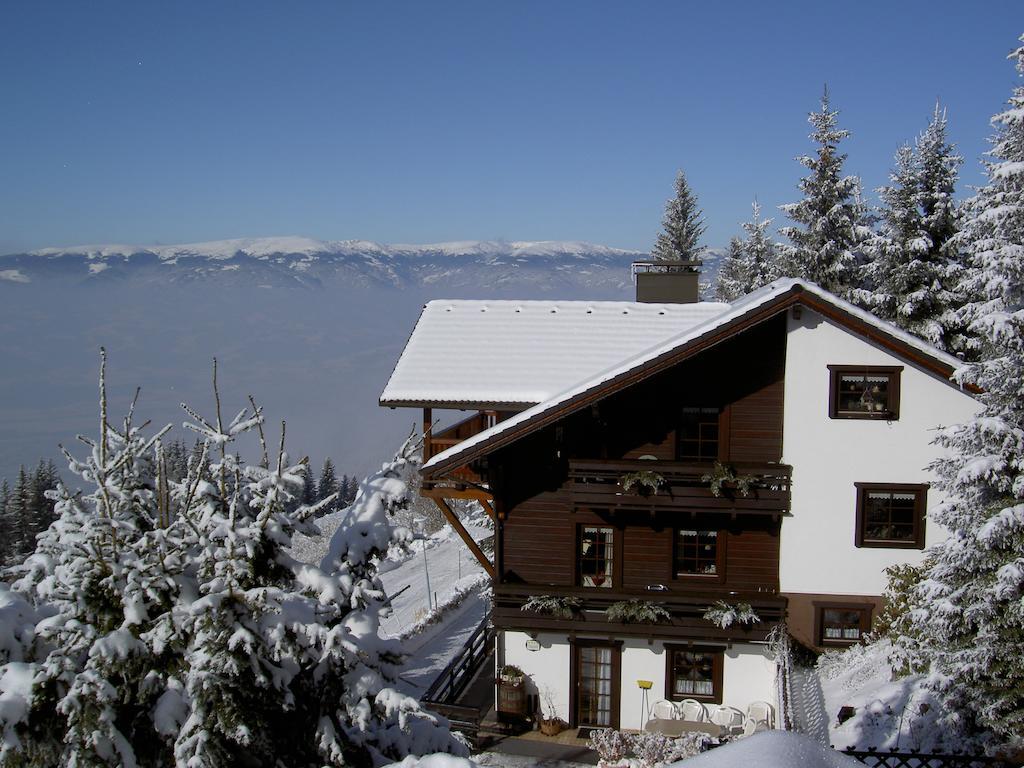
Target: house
x=769 y=453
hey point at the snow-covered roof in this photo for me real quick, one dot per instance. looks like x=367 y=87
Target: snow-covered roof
x=519 y=353
x=750 y=308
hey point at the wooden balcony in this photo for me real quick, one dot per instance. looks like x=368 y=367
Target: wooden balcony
x=687 y=613
x=443 y=439
x=599 y=483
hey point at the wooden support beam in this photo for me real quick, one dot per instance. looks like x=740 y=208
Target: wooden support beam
x=427 y=416
x=486 y=504
x=453 y=519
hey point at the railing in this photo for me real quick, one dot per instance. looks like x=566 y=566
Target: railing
x=687 y=612
x=878 y=758
x=456 y=676
x=444 y=439
x=596 y=482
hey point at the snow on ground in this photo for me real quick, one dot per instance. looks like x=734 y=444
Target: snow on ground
x=810 y=710
x=771 y=749
x=890 y=714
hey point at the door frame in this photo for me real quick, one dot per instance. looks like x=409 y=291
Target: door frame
x=574 y=682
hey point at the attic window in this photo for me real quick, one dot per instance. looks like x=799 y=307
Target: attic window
x=864 y=392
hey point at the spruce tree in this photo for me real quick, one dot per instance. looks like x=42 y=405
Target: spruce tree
x=22 y=515
x=915 y=264
x=751 y=261
x=180 y=631
x=328 y=483
x=683 y=224
x=6 y=522
x=970 y=608
x=829 y=224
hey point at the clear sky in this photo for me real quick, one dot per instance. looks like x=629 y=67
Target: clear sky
x=146 y=122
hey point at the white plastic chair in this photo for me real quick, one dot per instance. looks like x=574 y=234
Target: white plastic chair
x=692 y=710
x=664 y=710
x=729 y=719
x=762 y=713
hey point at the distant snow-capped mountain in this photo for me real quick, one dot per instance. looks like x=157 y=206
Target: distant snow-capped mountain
x=300 y=261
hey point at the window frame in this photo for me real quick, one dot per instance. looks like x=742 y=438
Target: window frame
x=891 y=413
x=717 y=672
x=721 y=440
x=721 y=537
x=920 y=491
x=616 y=580
x=866 y=611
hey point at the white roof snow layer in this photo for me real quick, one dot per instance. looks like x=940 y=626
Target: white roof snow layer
x=525 y=352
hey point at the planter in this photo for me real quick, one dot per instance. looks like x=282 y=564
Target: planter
x=553 y=727
x=512 y=698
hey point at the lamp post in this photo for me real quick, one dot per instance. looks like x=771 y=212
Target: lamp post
x=418 y=528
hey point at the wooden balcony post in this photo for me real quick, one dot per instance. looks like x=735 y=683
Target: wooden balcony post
x=427 y=416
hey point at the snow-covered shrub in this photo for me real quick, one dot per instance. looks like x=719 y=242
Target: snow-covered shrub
x=559 y=607
x=645 y=749
x=178 y=630
x=611 y=745
x=637 y=612
x=725 y=615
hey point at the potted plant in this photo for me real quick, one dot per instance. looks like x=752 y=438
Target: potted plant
x=510 y=674
x=551 y=724
x=644 y=482
x=511 y=691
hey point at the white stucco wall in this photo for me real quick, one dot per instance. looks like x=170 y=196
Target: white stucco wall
x=748 y=673
x=830 y=455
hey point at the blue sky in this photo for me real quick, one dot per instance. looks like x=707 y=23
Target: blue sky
x=149 y=122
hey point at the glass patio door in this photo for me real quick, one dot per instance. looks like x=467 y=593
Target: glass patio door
x=596 y=686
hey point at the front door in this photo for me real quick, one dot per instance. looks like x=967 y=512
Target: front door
x=597 y=685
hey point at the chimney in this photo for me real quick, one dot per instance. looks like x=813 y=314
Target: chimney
x=667 y=282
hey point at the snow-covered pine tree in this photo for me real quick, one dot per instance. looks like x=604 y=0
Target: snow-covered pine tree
x=6 y=523
x=829 y=224
x=92 y=690
x=971 y=603
x=915 y=265
x=387 y=723
x=327 y=485
x=751 y=261
x=180 y=631
x=683 y=224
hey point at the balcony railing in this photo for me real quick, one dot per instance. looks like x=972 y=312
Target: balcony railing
x=687 y=612
x=680 y=486
x=443 y=439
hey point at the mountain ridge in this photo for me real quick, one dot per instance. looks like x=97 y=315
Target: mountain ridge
x=296 y=261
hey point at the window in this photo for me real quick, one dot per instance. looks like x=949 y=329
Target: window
x=698 y=435
x=596 y=556
x=864 y=392
x=891 y=515
x=842 y=624
x=693 y=672
x=698 y=553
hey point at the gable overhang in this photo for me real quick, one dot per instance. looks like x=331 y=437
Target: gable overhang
x=796 y=294
x=458 y=405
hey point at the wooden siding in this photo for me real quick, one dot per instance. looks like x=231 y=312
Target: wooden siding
x=755 y=425
x=539 y=539
x=539 y=542
x=566 y=474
